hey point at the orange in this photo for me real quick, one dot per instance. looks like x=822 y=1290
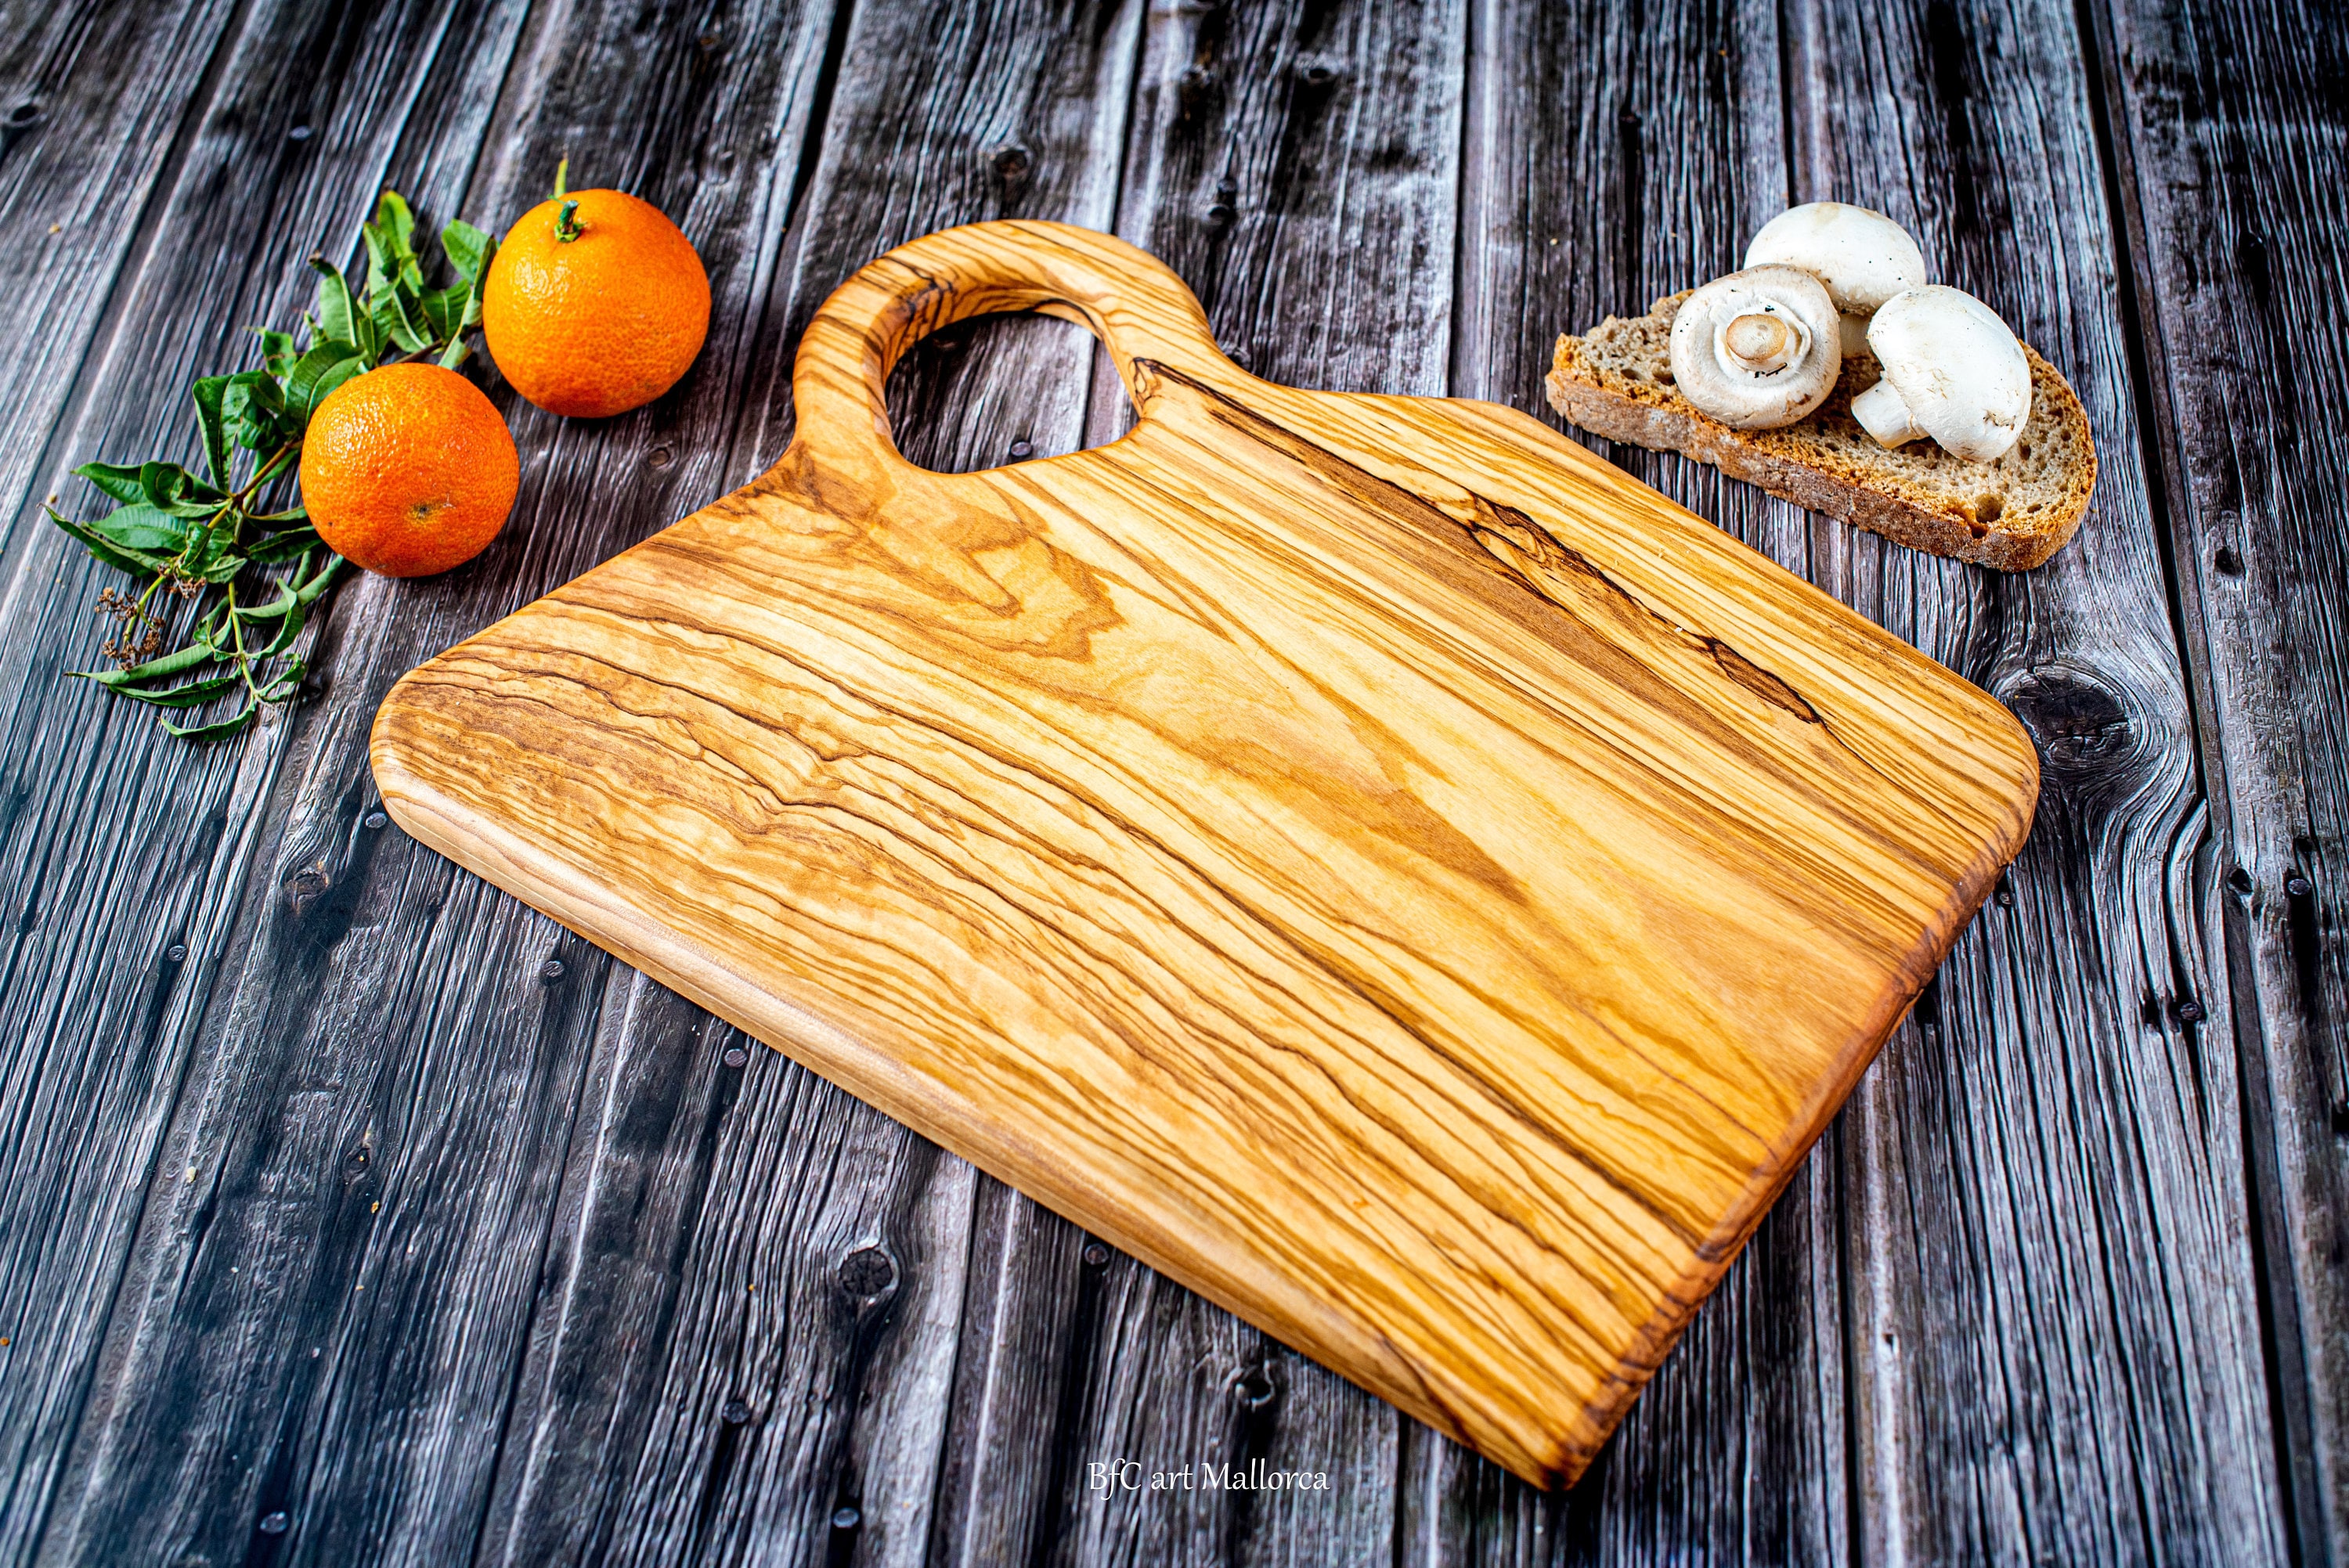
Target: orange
x=599 y=323
x=408 y=470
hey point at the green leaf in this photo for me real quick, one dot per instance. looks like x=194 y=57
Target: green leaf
x=255 y=411
x=271 y=611
x=382 y=266
x=172 y=663
x=337 y=316
x=310 y=590
x=391 y=214
x=389 y=307
x=394 y=227
x=324 y=367
x=444 y=311
x=195 y=693
x=278 y=352
x=115 y=480
x=284 y=546
x=333 y=378
x=136 y=563
x=219 y=729
x=454 y=354
x=207 y=392
x=287 y=684
x=170 y=488
x=469 y=251
x=139 y=526
x=224 y=569
x=302 y=381
x=287 y=630
x=132 y=559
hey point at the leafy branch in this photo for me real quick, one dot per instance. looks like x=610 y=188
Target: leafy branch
x=214 y=552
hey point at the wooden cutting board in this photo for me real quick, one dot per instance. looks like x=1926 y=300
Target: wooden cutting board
x=1365 y=856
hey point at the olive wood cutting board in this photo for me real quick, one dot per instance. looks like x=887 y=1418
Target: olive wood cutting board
x=1365 y=856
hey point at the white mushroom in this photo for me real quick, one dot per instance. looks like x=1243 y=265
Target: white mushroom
x=1951 y=371
x=1756 y=349
x=1864 y=258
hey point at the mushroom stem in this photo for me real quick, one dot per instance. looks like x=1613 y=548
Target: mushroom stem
x=1884 y=414
x=1758 y=342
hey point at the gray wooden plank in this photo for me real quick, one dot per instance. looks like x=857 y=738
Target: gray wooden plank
x=2227 y=125
x=801 y=1420
x=124 y=852
x=387 y=1031
x=1296 y=169
x=2054 y=1333
x=1614 y=156
x=93 y=100
x=1172 y=1385
x=1032 y=1278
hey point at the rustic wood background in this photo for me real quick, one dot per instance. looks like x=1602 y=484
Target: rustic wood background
x=351 y=1212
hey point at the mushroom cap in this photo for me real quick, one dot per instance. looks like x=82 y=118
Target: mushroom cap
x=1864 y=257
x=1788 y=320
x=1957 y=366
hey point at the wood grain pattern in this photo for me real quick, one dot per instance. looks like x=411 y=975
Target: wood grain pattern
x=1298 y=167
x=75 y=168
x=1614 y=154
x=125 y=856
x=1355 y=851
x=663 y=1239
x=386 y=1031
x=2017 y=1347
x=1962 y=1268
x=2228 y=136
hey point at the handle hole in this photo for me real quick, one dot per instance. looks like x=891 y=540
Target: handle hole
x=995 y=391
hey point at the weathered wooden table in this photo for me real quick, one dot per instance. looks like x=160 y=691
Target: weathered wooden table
x=350 y=1213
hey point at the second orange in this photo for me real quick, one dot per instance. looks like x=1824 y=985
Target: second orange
x=596 y=304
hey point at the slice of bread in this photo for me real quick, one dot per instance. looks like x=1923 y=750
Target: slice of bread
x=2011 y=514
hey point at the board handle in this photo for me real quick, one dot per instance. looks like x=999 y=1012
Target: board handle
x=1130 y=301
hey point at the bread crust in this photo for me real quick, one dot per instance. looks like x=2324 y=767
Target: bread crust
x=2011 y=515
